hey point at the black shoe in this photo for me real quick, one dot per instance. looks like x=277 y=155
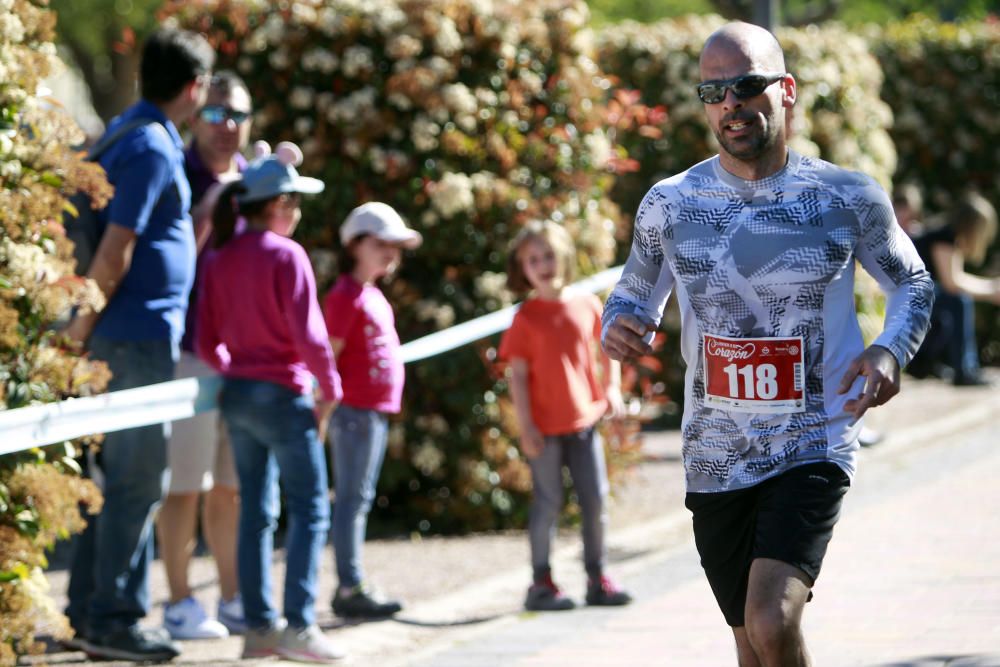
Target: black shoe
x=544 y=595
x=971 y=381
x=604 y=592
x=133 y=643
x=363 y=602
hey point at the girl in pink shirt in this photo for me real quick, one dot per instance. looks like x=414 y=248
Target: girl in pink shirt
x=364 y=339
x=260 y=326
x=559 y=395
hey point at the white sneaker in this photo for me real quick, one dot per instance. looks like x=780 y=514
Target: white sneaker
x=308 y=645
x=187 y=620
x=231 y=615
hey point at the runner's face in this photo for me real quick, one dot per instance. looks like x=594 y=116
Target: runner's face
x=541 y=266
x=749 y=130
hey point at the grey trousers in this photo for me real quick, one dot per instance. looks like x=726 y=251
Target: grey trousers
x=583 y=453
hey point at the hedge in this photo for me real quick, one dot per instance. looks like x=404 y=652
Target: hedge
x=40 y=490
x=470 y=118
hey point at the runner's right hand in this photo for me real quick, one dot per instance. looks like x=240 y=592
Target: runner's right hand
x=625 y=336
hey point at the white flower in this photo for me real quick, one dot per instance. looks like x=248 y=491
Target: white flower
x=424 y=133
x=447 y=41
x=11 y=28
x=10 y=170
x=400 y=101
x=377 y=159
x=280 y=59
x=303 y=126
x=452 y=195
x=358 y=60
x=531 y=81
x=441 y=67
x=354 y=109
x=319 y=59
x=459 y=98
x=301 y=97
x=274 y=28
x=403 y=46
x=599 y=148
x=428 y=458
x=487 y=97
x=389 y=18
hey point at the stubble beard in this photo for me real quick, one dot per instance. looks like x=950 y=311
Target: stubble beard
x=753 y=148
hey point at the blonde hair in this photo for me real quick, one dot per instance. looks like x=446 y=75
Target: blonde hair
x=974 y=221
x=549 y=232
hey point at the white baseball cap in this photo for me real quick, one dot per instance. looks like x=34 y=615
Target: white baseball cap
x=381 y=221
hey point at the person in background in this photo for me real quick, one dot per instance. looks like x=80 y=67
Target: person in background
x=363 y=336
x=199 y=454
x=561 y=386
x=144 y=264
x=908 y=206
x=269 y=346
x=963 y=236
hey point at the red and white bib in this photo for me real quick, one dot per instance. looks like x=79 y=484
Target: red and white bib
x=754 y=374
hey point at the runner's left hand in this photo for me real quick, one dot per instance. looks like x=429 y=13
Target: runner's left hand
x=881 y=372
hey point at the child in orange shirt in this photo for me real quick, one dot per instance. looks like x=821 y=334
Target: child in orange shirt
x=560 y=394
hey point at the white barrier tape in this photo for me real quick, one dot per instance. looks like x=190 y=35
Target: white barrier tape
x=48 y=423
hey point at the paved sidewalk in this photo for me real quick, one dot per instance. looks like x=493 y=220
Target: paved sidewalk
x=912 y=577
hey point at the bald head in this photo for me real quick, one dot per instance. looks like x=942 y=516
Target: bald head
x=742 y=45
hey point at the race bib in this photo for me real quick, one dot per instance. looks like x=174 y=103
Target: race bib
x=754 y=374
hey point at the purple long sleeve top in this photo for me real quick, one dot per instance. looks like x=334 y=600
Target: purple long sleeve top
x=259 y=318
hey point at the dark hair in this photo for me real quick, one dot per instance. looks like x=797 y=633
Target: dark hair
x=171 y=59
x=227 y=209
x=347 y=262
x=225 y=80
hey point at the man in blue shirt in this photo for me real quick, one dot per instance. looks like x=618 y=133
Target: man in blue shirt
x=144 y=264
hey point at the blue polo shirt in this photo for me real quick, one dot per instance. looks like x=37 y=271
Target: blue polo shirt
x=153 y=199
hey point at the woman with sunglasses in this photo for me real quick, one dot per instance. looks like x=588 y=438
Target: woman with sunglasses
x=260 y=325
x=760 y=244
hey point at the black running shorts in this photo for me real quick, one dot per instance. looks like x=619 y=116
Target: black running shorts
x=789 y=517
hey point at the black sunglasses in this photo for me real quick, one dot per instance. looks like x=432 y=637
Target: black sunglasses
x=217 y=113
x=743 y=87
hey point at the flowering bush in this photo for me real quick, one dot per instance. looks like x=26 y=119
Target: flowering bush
x=470 y=117
x=40 y=490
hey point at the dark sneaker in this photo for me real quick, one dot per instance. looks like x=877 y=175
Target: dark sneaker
x=604 y=592
x=135 y=644
x=544 y=595
x=977 y=380
x=363 y=602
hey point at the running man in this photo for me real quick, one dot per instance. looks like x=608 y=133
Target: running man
x=760 y=244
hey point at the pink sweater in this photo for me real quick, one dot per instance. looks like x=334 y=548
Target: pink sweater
x=258 y=316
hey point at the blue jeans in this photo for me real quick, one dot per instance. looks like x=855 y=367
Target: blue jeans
x=583 y=453
x=273 y=433
x=359 y=441
x=109 y=576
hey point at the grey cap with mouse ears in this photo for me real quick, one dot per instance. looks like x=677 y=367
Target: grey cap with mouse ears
x=270 y=175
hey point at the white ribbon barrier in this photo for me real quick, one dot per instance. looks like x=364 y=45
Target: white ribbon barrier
x=48 y=423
